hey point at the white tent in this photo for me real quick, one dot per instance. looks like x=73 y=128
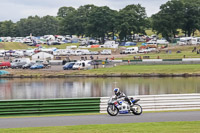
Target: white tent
x=42 y=56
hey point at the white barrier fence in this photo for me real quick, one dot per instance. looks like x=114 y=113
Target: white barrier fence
x=162 y=102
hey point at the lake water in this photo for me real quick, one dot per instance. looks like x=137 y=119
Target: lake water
x=94 y=87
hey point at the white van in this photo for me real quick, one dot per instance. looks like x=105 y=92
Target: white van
x=19 y=62
x=82 y=65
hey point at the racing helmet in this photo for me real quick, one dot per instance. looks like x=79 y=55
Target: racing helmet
x=116 y=91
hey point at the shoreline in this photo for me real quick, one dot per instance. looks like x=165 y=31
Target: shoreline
x=101 y=75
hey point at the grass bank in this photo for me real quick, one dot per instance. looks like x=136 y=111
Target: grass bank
x=154 y=127
x=186 y=51
x=14 y=45
x=17 y=45
x=146 y=69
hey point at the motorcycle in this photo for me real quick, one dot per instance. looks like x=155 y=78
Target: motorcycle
x=120 y=106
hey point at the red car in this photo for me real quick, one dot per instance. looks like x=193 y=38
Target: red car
x=5 y=64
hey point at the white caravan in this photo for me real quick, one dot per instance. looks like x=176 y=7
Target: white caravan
x=157 y=42
x=109 y=44
x=195 y=41
x=29 y=52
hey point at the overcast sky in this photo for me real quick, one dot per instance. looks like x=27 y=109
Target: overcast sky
x=16 y=9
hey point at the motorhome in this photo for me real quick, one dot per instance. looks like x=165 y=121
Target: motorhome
x=29 y=52
x=106 y=52
x=63 y=52
x=48 y=50
x=2 y=53
x=185 y=41
x=130 y=50
x=82 y=65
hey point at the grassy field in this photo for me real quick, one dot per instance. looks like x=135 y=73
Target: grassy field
x=13 y=45
x=185 y=50
x=146 y=69
x=62 y=46
x=16 y=45
x=154 y=127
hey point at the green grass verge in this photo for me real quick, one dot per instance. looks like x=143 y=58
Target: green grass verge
x=153 y=127
x=62 y=46
x=50 y=115
x=146 y=69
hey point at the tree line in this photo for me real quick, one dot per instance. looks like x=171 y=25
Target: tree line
x=101 y=22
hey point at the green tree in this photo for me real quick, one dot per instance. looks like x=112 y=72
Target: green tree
x=177 y=14
x=67 y=20
x=133 y=20
x=191 y=18
x=64 y=11
x=8 y=28
x=100 y=22
x=49 y=25
x=29 y=25
x=82 y=19
x=38 y=26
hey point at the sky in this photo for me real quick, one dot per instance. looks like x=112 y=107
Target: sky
x=16 y=9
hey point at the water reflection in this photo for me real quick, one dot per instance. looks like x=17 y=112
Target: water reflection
x=94 y=87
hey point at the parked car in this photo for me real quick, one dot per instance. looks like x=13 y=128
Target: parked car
x=68 y=66
x=28 y=65
x=17 y=65
x=5 y=65
x=37 y=66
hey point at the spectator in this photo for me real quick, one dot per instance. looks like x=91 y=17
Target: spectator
x=91 y=57
x=106 y=60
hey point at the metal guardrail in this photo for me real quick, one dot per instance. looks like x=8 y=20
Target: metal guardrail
x=96 y=105
x=162 y=102
x=50 y=106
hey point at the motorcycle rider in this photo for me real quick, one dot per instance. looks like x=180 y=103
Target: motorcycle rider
x=119 y=94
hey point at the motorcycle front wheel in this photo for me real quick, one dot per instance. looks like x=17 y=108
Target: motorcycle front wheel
x=137 y=109
x=112 y=110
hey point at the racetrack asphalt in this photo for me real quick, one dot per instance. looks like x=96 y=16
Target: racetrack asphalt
x=98 y=119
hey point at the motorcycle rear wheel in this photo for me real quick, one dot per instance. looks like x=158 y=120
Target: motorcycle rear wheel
x=112 y=110
x=138 y=110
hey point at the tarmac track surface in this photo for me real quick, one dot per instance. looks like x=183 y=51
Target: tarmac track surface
x=97 y=119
